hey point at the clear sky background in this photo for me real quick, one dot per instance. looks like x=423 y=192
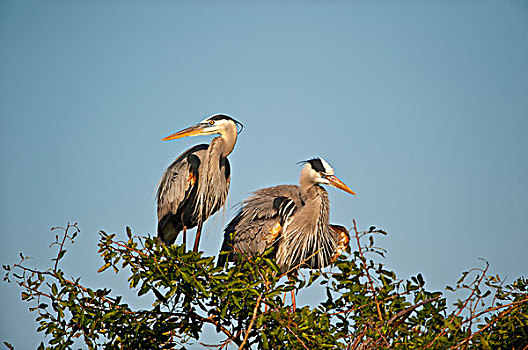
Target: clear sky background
x=420 y=107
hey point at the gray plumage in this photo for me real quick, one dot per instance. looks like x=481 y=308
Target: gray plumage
x=294 y=219
x=196 y=184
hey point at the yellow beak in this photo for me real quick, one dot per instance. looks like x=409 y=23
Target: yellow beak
x=197 y=129
x=334 y=181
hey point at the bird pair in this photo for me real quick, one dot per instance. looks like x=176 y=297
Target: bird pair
x=294 y=219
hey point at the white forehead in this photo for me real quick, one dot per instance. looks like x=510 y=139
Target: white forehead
x=328 y=168
x=319 y=165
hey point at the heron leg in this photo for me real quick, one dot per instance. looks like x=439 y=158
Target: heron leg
x=294 y=304
x=184 y=228
x=197 y=239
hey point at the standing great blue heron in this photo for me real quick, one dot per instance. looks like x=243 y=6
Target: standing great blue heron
x=294 y=218
x=196 y=184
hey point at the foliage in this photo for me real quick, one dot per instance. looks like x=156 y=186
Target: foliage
x=366 y=307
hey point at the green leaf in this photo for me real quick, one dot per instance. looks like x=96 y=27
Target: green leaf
x=111 y=313
x=104 y=267
x=264 y=338
x=273 y=265
x=237 y=303
x=421 y=280
x=202 y=288
x=61 y=254
x=186 y=277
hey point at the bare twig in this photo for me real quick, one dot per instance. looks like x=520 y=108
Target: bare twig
x=61 y=245
x=257 y=305
x=222 y=328
x=444 y=330
x=367 y=272
x=296 y=336
x=358 y=339
x=489 y=324
x=490 y=309
x=402 y=315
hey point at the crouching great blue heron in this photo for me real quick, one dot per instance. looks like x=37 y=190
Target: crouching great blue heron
x=293 y=218
x=196 y=184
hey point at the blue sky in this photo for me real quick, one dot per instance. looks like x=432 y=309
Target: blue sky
x=420 y=107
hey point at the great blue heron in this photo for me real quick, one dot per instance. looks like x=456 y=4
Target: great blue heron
x=196 y=184
x=293 y=218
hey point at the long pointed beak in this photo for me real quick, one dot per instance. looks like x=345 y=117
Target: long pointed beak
x=197 y=129
x=334 y=181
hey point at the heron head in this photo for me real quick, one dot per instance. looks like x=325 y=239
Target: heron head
x=216 y=124
x=317 y=170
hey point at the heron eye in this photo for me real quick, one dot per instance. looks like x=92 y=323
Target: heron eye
x=211 y=122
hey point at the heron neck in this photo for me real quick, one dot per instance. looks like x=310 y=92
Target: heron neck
x=229 y=139
x=315 y=196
